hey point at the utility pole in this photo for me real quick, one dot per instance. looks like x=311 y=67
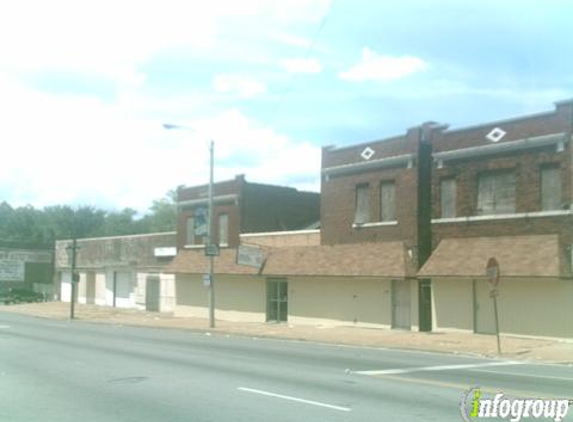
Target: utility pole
x=75 y=277
x=210 y=238
x=211 y=250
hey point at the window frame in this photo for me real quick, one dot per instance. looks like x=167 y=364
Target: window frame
x=365 y=188
x=392 y=213
x=454 y=187
x=220 y=226
x=496 y=192
x=545 y=169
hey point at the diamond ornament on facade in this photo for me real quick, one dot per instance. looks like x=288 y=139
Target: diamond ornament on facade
x=367 y=153
x=496 y=135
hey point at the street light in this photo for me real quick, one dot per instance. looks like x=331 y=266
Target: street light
x=210 y=250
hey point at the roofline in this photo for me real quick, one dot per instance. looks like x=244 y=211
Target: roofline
x=281 y=233
x=362 y=166
x=334 y=148
x=499 y=122
x=509 y=146
x=118 y=237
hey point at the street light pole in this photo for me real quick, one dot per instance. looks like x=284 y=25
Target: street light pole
x=209 y=249
x=210 y=238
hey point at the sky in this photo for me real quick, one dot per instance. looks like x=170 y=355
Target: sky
x=85 y=87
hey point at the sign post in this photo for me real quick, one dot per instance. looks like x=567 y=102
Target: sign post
x=493 y=272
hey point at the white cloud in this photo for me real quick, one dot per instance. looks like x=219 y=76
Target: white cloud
x=113 y=38
x=290 y=39
x=69 y=149
x=243 y=86
x=375 y=67
x=109 y=38
x=301 y=65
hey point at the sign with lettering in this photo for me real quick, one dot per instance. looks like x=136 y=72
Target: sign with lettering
x=26 y=256
x=251 y=256
x=11 y=270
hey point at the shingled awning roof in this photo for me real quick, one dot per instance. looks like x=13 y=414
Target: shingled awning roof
x=195 y=262
x=381 y=259
x=518 y=256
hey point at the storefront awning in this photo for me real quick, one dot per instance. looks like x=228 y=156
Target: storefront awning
x=518 y=256
x=195 y=262
x=380 y=259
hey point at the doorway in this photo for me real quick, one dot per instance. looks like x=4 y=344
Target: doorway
x=401 y=304
x=90 y=287
x=277 y=299
x=484 y=318
x=152 y=285
x=425 y=304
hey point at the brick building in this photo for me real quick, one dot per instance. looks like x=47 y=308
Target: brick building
x=407 y=226
x=504 y=189
x=379 y=192
x=244 y=212
x=120 y=271
x=242 y=207
x=452 y=198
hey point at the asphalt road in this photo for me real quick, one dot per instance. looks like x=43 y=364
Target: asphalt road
x=73 y=371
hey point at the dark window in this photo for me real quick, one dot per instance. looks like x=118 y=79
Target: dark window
x=550 y=188
x=496 y=193
x=387 y=201
x=190 y=231
x=223 y=229
x=448 y=198
x=362 y=212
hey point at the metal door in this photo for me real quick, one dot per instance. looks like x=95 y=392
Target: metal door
x=152 y=293
x=277 y=299
x=484 y=318
x=425 y=304
x=401 y=304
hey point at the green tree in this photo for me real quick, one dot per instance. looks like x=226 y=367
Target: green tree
x=162 y=216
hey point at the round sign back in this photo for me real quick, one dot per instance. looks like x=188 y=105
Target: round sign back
x=492 y=271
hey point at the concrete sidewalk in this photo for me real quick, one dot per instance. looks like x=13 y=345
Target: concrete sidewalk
x=557 y=351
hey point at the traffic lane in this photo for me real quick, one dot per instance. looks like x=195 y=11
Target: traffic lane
x=95 y=382
x=271 y=374
x=312 y=354
x=520 y=380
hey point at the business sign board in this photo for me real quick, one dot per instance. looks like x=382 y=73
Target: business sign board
x=251 y=256
x=26 y=256
x=12 y=270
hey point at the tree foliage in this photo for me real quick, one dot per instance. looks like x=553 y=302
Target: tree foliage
x=31 y=225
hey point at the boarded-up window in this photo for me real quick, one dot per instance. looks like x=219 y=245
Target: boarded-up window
x=448 y=198
x=550 y=188
x=387 y=201
x=496 y=193
x=362 y=213
x=223 y=229
x=190 y=231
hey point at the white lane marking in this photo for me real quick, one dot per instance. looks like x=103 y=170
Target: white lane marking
x=435 y=368
x=4 y=326
x=515 y=374
x=280 y=396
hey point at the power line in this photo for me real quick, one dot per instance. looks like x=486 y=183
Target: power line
x=309 y=50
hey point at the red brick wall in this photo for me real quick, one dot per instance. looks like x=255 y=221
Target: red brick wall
x=228 y=187
x=338 y=194
x=527 y=165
